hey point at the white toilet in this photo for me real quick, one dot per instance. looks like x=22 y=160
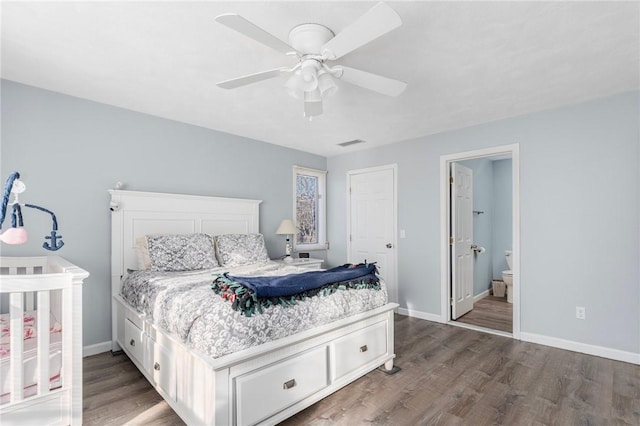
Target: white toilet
x=507 y=277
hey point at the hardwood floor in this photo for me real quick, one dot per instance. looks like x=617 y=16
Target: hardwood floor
x=450 y=376
x=491 y=312
x=115 y=393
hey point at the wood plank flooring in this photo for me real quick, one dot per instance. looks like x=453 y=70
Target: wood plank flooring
x=450 y=376
x=115 y=393
x=491 y=312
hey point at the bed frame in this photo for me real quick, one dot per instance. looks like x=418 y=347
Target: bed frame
x=49 y=285
x=260 y=385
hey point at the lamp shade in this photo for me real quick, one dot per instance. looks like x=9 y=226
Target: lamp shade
x=308 y=76
x=326 y=84
x=293 y=85
x=287 y=228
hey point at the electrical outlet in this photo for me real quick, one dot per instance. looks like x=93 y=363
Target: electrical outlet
x=581 y=312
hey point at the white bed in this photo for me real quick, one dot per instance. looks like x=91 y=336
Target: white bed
x=262 y=384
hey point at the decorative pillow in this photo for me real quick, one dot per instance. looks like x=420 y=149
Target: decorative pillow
x=188 y=252
x=241 y=249
x=142 y=252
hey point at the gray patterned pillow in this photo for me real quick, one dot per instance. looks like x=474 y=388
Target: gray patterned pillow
x=241 y=249
x=188 y=252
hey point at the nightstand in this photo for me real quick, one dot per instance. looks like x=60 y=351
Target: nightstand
x=310 y=263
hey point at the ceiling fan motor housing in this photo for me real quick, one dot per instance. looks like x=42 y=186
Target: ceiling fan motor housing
x=309 y=38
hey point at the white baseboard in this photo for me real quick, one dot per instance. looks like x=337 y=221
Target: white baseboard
x=481 y=295
x=96 y=349
x=418 y=314
x=601 y=351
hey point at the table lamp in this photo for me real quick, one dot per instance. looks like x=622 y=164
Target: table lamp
x=287 y=228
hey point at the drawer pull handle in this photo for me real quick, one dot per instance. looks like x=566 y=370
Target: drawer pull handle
x=288 y=385
x=156 y=366
x=364 y=348
x=132 y=342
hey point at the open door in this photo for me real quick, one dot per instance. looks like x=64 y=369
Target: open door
x=461 y=238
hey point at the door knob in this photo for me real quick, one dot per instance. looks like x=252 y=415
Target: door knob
x=389 y=245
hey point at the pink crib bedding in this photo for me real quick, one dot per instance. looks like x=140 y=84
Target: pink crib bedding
x=30 y=355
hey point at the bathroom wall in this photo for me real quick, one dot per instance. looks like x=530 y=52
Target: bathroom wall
x=492 y=229
x=502 y=218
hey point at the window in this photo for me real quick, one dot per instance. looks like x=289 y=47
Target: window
x=309 y=208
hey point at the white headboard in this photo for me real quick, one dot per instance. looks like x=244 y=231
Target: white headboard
x=135 y=214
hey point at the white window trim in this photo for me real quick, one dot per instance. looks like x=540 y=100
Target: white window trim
x=322 y=207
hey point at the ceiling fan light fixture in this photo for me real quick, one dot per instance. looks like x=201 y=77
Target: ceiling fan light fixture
x=293 y=85
x=312 y=104
x=313 y=96
x=309 y=75
x=326 y=84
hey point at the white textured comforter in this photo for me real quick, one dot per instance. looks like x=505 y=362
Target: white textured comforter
x=184 y=304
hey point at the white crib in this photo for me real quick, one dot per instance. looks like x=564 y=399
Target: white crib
x=52 y=287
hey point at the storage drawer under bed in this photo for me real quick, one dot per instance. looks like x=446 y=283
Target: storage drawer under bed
x=134 y=341
x=262 y=393
x=357 y=349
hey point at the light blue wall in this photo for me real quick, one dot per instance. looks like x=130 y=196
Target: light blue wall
x=580 y=190
x=482 y=223
x=579 y=220
x=70 y=151
x=502 y=218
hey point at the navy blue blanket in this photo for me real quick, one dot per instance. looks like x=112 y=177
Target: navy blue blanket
x=287 y=285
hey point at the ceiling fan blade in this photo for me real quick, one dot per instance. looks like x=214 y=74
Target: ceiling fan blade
x=241 y=25
x=252 y=78
x=367 y=80
x=379 y=20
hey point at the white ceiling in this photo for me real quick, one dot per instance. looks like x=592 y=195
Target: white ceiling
x=465 y=63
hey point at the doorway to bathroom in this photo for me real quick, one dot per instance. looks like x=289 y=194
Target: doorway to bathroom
x=479 y=227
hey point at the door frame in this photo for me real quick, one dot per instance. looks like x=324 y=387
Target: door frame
x=394 y=238
x=445 y=214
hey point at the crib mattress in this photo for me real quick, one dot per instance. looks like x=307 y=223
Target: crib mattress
x=185 y=305
x=30 y=362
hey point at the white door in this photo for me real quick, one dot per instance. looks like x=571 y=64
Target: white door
x=372 y=222
x=462 y=239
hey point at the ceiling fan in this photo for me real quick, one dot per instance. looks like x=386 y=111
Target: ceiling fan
x=315 y=46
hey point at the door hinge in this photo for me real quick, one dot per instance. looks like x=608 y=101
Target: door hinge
x=451 y=301
x=451 y=241
x=451 y=180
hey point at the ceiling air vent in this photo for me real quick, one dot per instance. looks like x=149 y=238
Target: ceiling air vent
x=349 y=143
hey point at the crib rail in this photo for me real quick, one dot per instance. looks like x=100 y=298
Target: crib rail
x=50 y=286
